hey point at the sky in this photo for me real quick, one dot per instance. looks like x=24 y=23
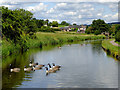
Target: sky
x=74 y=11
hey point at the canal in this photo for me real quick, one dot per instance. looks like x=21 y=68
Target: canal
x=84 y=65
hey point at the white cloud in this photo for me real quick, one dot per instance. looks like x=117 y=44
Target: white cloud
x=70 y=13
x=39 y=7
x=87 y=5
x=99 y=14
x=50 y=11
x=111 y=17
x=80 y=13
x=80 y=16
x=106 y=16
x=54 y=20
x=61 y=4
x=92 y=8
x=83 y=10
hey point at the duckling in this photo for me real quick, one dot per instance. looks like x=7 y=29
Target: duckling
x=28 y=69
x=32 y=64
x=50 y=66
x=40 y=66
x=36 y=68
x=56 y=66
x=14 y=69
x=49 y=71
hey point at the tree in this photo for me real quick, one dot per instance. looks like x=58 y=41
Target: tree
x=74 y=24
x=17 y=24
x=88 y=30
x=55 y=24
x=117 y=36
x=117 y=28
x=99 y=25
x=64 y=23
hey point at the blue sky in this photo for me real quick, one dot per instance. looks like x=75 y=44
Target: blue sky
x=72 y=12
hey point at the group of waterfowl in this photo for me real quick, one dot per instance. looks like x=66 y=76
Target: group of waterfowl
x=36 y=66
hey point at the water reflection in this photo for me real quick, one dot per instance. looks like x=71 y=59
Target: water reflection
x=84 y=65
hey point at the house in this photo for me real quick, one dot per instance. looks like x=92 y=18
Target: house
x=65 y=28
x=81 y=29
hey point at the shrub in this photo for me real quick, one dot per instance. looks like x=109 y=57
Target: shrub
x=117 y=36
x=97 y=32
x=46 y=29
x=113 y=34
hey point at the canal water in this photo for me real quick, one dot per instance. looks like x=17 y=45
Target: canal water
x=84 y=65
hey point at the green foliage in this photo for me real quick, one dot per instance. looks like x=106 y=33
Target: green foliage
x=46 y=29
x=74 y=24
x=97 y=32
x=55 y=24
x=113 y=34
x=117 y=36
x=117 y=28
x=114 y=50
x=38 y=22
x=16 y=24
x=56 y=29
x=65 y=23
x=99 y=25
x=88 y=30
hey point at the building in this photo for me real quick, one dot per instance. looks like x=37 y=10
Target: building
x=81 y=29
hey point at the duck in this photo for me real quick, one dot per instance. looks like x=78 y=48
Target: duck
x=57 y=66
x=59 y=47
x=14 y=69
x=40 y=66
x=36 y=68
x=50 y=66
x=49 y=71
x=53 y=68
x=32 y=64
x=28 y=69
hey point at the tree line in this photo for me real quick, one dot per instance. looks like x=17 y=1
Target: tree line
x=99 y=26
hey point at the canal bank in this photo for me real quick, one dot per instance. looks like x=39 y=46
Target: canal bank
x=44 y=39
x=111 y=48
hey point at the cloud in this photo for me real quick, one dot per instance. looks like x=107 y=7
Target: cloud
x=79 y=12
x=111 y=17
x=54 y=20
x=39 y=7
x=2 y=1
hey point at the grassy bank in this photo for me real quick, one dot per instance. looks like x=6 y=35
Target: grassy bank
x=111 y=49
x=44 y=39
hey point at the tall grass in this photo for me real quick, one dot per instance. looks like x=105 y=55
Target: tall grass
x=44 y=39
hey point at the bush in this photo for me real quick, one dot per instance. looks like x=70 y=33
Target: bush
x=56 y=29
x=87 y=31
x=113 y=34
x=46 y=29
x=97 y=32
x=117 y=36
